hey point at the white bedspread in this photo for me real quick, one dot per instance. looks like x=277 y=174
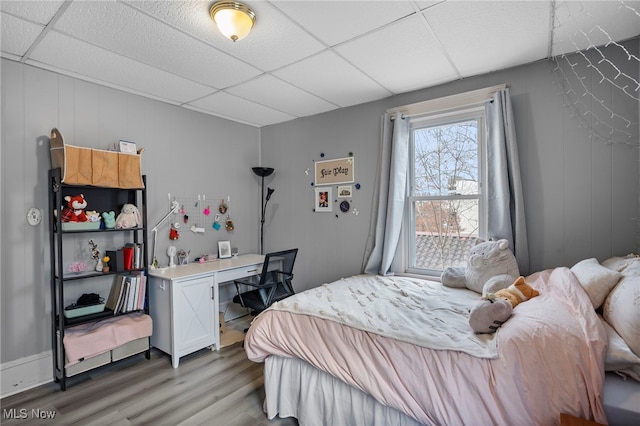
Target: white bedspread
x=404 y=309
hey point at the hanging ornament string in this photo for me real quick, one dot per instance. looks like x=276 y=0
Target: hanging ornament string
x=598 y=116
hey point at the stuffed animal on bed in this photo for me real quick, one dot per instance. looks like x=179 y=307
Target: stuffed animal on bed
x=74 y=212
x=496 y=308
x=489 y=314
x=516 y=293
x=491 y=267
x=129 y=217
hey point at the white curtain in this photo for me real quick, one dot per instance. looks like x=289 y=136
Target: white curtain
x=505 y=199
x=389 y=201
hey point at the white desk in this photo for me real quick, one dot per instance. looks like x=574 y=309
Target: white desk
x=184 y=304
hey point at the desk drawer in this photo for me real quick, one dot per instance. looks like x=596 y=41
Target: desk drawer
x=234 y=274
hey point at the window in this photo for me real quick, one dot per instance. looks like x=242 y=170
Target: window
x=446 y=204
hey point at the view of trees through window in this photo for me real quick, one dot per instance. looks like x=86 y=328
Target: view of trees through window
x=445 y=193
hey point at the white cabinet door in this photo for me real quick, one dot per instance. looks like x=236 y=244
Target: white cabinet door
x=193 y=314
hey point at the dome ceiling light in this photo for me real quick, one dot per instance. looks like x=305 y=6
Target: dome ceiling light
x=234 y=19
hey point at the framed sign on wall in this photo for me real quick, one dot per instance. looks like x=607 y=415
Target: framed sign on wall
x=334 y=172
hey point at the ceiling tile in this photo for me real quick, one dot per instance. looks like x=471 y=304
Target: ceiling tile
x=579 y=25
x=332 y=78
x=67 y=55
x=272 y=92
x=485 y=36
x=128 y=32
x=400 y=64
x=39 y=12
x=334 y=22
x=274 y=41
x=303 y=56
x=17 y=35
x=229 y=106
x=423 y=4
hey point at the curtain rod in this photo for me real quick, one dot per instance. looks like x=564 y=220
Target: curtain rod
x=448 y=102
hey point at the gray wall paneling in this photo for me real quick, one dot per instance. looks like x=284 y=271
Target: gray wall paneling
x=186 y=153
x=581 y=196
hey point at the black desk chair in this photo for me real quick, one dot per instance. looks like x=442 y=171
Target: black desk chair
x=270 y=286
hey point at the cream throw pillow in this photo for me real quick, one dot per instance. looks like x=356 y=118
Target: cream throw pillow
x=595 y=279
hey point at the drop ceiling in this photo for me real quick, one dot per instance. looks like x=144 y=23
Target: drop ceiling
x=302 y=57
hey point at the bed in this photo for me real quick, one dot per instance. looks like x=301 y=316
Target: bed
x=398 y=350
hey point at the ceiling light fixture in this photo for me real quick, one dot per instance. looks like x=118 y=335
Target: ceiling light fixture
x=234 y=19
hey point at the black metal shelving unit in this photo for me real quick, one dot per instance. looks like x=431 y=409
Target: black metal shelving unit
x=101 y=199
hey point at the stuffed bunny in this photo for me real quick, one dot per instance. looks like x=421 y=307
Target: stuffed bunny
x=109 y=219
x=129 y=217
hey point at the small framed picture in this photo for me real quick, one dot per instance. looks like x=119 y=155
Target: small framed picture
x=344 y=191
x=322 y=199
x=224 y=249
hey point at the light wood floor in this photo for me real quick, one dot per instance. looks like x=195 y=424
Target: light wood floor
x=208 y=388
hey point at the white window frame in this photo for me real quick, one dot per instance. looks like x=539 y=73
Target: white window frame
x=475 y=112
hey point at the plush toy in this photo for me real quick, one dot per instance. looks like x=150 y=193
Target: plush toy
x=109 y=219
x=491 y=267
x=92 y=216
x=516 y=293
x=489 y=314
x=495 y=308
x=129 y=217
x=74 y=212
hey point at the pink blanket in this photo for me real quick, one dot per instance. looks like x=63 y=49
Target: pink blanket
x=91 y=339
x=550 y=361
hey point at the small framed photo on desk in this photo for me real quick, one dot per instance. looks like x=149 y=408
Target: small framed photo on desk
x=224 y=249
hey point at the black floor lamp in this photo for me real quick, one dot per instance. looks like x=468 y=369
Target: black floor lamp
x=263 y=172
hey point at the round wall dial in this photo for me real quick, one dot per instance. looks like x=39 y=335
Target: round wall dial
x=34 y=216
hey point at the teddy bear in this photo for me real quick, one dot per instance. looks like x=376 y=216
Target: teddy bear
x=491 y=266
x=74 y=212
x=109 y=219
x=496 y=308
x=129 y=217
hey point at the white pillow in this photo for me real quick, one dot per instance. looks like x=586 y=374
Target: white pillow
x=595 y=279
x=621 y=264
x=622 y=310
x=619 y=357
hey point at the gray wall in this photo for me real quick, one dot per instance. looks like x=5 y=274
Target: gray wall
x=186 y=153
x=581 y=196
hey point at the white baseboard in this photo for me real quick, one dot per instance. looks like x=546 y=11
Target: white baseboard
x=25 y=373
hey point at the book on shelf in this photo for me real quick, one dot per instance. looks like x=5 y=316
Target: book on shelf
x=114 y=293
x=134 y=250
x=127 y=293
x=127 y=254
x=137 y=256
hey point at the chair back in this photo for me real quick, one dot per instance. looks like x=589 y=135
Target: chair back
x=287 y=259
x=274 y=283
